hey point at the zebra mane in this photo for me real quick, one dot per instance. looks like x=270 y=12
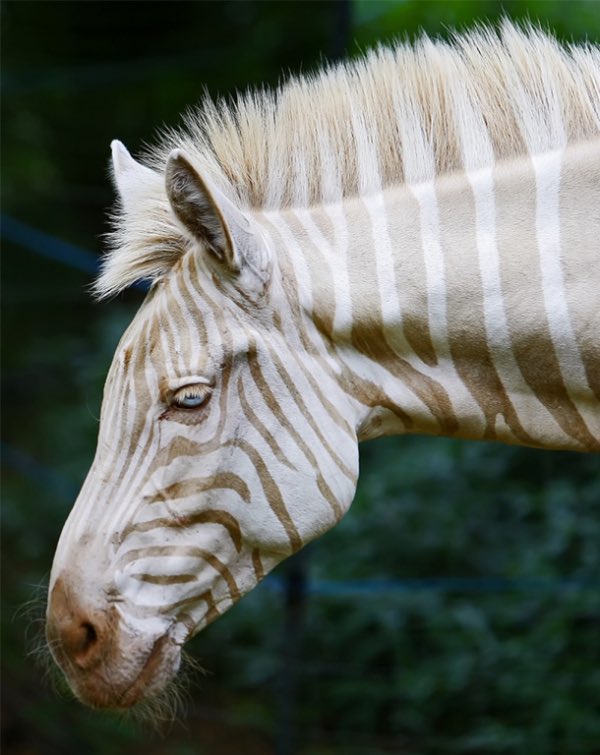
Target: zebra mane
x=396 y=115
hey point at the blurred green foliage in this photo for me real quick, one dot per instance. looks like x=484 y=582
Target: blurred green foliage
x=383 y=20
x=505 y=659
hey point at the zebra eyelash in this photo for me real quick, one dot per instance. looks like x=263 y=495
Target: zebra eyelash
x=190 y=397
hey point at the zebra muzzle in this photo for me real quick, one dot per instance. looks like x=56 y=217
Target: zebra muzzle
x=106 y=664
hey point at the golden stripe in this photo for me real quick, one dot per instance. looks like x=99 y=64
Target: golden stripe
x=272 y=403
x=290 y=287
x=207 y=596
x=188 y=551
x=353 y=385
x=580 y=225
x=370 y=337
x=308 y=416
x=213 y=516
x=403 y=218
x=190 y=487
x=370 y=341
x=217 y=565
x=273 y=494
x=467 y=336
x=328 y=495
x=256 y=423
x=532 y=345
x=335 y=415
x=321 y=279
x=213 y=612
x=257 y=564
x=181 y=446
x=135 y=383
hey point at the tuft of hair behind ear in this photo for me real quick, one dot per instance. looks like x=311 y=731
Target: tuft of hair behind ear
x=143 y=244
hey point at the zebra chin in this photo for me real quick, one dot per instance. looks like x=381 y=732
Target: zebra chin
x=109 y=689
x=108 y=663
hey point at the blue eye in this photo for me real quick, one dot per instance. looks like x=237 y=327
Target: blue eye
x=190 y=396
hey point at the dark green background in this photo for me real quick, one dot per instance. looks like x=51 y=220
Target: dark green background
x=456 y=609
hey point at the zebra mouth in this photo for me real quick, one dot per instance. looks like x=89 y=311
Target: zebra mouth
x=108 y=686
x=101 y=688
x=153 y=676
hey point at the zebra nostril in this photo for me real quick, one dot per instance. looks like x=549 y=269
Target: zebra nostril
x=88 y=637
x=80 y=641
x=91 y=635
x=70 y=629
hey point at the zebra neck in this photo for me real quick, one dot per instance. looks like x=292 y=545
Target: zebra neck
x=465 y=306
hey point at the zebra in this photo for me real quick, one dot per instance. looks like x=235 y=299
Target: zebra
x=408 y=243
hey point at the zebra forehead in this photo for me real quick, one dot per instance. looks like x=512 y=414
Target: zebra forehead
x=399 y=114
x=169 y=327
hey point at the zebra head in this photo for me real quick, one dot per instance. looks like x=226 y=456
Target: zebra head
x=226 y=439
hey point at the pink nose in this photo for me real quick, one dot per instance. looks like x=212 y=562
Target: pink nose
x=75 y=635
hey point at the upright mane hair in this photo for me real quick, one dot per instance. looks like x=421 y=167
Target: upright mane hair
x=395 y=116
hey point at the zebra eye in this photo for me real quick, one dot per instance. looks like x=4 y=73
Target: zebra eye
x=190 y=396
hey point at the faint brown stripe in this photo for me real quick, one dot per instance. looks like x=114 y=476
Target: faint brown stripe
x=526 y=314
x=310 y=421
x=321 y=279
x=290 y=287
x=195 y=485
x=189 y=623
x=273 y=494
x=213 y=516
x=580 y=243
x=467 y=336
x=182 y=446
x=181 y=309
x=403 y=218
x=193 y=272
x=258 y=425
x=167 y=324
x=213 y=612
x=207 y=597
x=224 y=572
x=365 y=392
x=136 y=383
x=257 y=564
x=329 y=496
x=353 y=385
x=158 y=551
x=327 y=405
x=274 y=406
x=429 y=391
x=370 y=337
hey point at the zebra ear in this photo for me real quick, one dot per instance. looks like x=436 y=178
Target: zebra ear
x=205 y=212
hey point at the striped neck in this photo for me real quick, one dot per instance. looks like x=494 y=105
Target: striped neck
x=452 y=305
